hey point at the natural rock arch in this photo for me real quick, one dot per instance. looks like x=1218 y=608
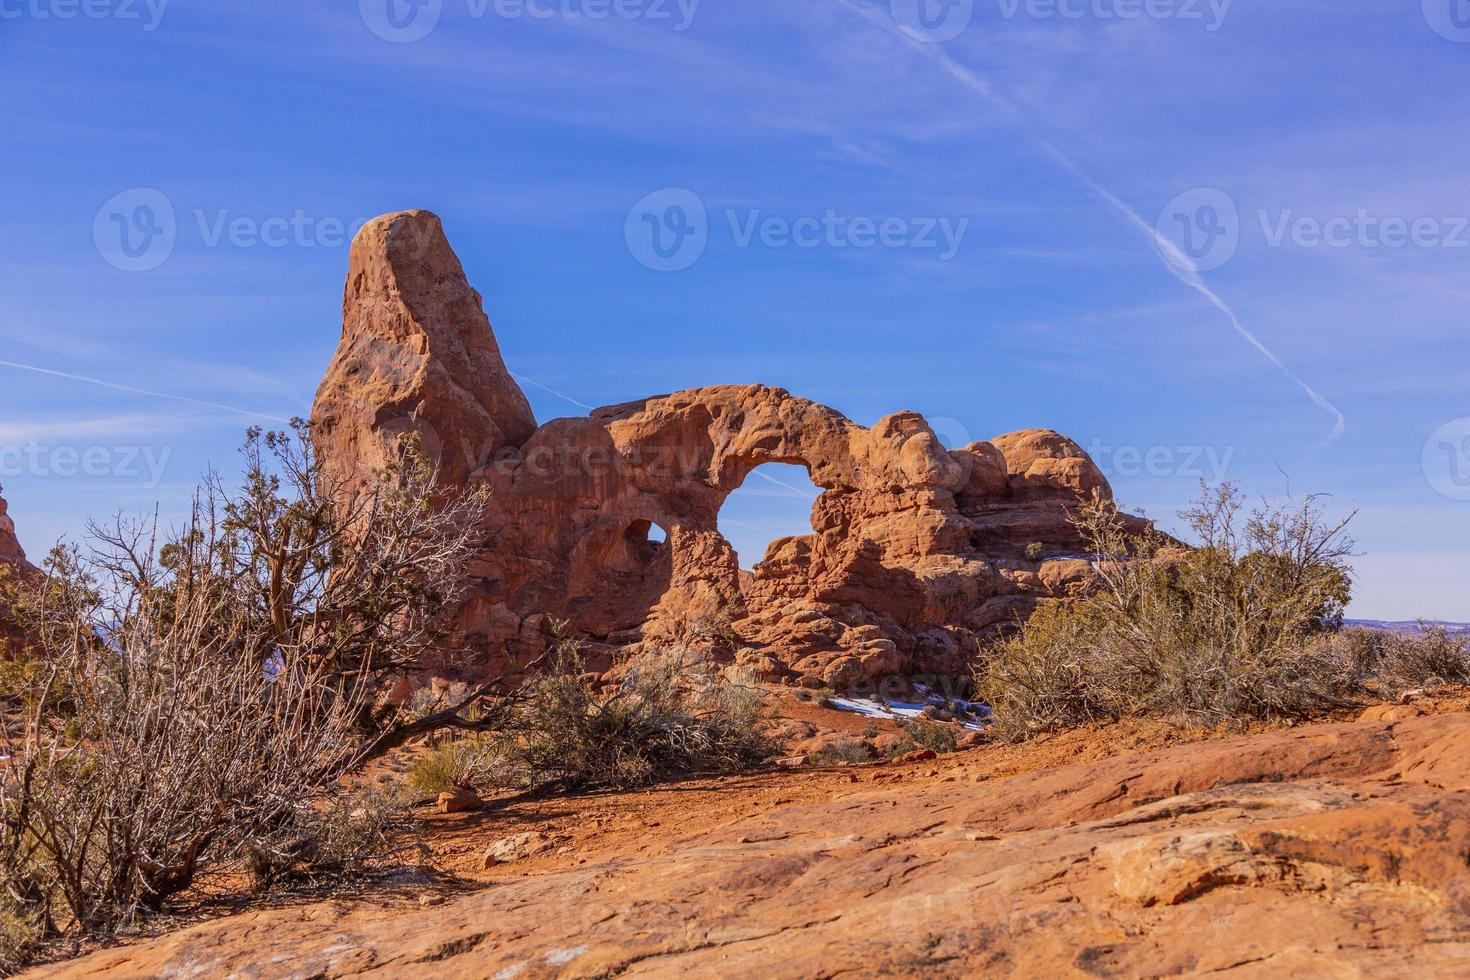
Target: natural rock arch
x=740 y=502
x=916 y=552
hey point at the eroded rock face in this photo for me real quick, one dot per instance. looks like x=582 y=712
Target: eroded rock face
x=916 y=553
x=11 y=552
x=417 y=355
x=12 y=562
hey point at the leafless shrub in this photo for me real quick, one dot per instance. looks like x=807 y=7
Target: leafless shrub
x=921 y=733
x=149 y=756
x=1225 y=630
x=843 y=752
x=19 y=936
x=342 y=837
x=1389 y=664
x=188 y=701
x=674 y=713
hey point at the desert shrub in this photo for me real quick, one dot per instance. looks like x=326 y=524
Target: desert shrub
x=1226 y=630
x=341 y=837
x=921 y=733
x=439 y=770
x=187 y=701
x=355 y=830
x=846 y=751
x=1390 y=664
x=1035 y=550
x=169 y=760
x=674 y=713
x=474 y=761
x=1432 y=658
x=20 y=934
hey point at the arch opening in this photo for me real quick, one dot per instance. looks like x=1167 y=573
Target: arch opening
x=774 y=501
x=643 y=542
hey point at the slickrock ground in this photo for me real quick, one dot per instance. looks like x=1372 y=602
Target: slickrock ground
x=1336 y=849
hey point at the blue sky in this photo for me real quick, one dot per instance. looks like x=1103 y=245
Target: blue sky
x=1004 y=214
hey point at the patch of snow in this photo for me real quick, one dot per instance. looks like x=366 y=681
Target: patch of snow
x=907 y=710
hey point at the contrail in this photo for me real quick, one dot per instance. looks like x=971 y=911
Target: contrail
x=804 y=494
x=1174 y=260
x=142 y=391
x=219 y=405
x=552 y=391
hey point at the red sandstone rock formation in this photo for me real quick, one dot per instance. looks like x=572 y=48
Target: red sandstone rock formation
x=417 y=355
x=12 y=562
x=10 y=549
x=917 y=553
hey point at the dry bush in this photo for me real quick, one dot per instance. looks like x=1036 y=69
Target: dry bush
x=340 y=838
x=844 y=752
x=1229 y=629
x=151 y=756
x=673 y=714
x=921 y=733
x=21 y=933
x=1390 y=664
x=188 y=701
x=470 y=762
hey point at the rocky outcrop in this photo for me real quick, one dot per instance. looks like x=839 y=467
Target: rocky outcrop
x=12 y=563
x=11 y=552
x=1323 y=851
x=917 y=554
x=417 y=355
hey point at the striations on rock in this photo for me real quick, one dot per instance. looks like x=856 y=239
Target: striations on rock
x=917 y=554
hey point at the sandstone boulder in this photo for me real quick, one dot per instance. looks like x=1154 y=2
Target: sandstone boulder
x=460 y=801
